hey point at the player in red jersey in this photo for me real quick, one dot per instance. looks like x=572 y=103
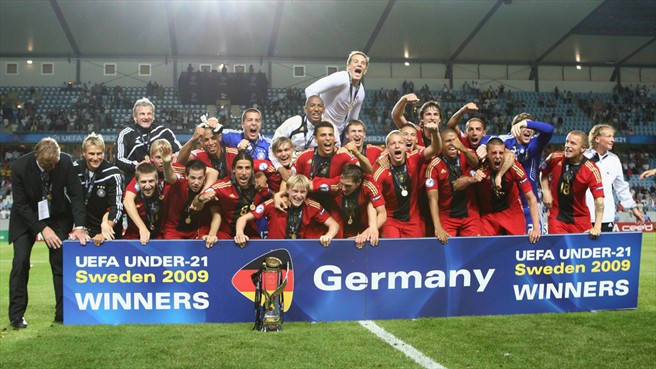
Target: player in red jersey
x=182 y=221
x=144 y=207
x=430 y=112
x=232 y=198
x=213 y=153
x=324 y=161
x=474 y=129
x=501 y=208
x=402 y=183
x=571 y=175
x=282 y=149
x=360 y=201
x=133 y=194
x=294 y=222
x=355 y=135
x=452 y=200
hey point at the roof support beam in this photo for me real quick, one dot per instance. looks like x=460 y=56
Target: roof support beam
x=173 y=38
x=637 y=51
x=565 y=36
x=379 y=26
x=276 y=28
x=64 y=26
x=475 y=31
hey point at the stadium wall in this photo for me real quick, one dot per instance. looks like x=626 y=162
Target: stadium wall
x=381 y=75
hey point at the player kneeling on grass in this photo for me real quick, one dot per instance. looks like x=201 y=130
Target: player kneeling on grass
x=293 y=222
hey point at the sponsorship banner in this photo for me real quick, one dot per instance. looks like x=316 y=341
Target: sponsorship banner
x=184 y=282
x=633 y=227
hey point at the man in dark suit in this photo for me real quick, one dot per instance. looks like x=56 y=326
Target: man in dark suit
x=48 y=198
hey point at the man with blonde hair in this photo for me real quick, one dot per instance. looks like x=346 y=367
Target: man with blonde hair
x=566 y=176
x=103 y=190
x=602 y=140
x=48 y=199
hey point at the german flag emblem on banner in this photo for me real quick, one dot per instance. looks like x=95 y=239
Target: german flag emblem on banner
x=243 y=282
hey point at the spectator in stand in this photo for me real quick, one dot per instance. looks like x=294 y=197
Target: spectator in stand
x=602 y=140
x=133 y=142
x=342 y=92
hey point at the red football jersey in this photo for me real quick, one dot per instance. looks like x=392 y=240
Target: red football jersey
x=569 y=193
x=232 y=204
x=312 y=212
x=440 y=177
x=513 y=181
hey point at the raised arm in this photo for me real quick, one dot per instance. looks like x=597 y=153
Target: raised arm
x=185 y=152
x=399 y=109
x=362 y=160
x=169 y=173
x=436 y=141
x=457 y=116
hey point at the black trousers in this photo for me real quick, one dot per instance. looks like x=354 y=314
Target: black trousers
x=606 y=227
x=20 y=275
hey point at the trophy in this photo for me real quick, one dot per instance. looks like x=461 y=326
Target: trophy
x=270 y=284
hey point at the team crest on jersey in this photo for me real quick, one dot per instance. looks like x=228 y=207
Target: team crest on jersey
x=430 y=182
x=261 y=156
x=263 y=167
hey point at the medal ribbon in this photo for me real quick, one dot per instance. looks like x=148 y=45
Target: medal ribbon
x=294 y=217
x=89 y=183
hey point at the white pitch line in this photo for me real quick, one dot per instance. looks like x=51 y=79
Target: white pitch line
x=408 y=350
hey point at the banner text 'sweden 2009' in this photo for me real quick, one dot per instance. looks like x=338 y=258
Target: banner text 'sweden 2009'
x=183 y=282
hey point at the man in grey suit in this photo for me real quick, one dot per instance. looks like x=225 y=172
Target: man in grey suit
x=48 y=199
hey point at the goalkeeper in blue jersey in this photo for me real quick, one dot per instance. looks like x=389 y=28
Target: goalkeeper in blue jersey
x=526 y=141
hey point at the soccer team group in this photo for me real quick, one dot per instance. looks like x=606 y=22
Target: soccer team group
x=316 y=178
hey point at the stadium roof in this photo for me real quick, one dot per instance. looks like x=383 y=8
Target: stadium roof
x=534 y=32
